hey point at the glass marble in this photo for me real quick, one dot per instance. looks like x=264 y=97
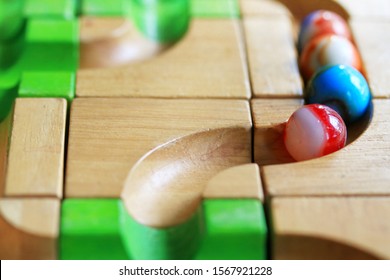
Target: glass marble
x=313 y=131
x=319 y=23
x=328 y=50
x=342 y=88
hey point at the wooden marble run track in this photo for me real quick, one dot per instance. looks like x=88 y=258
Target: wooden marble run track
x=119 y=140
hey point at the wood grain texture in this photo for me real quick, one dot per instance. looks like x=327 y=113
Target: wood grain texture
x=108 y=42
x=373 y=41
x=242 y=181
x=272 y=57
x=5 y=128
x=331 y=228
x=165 y=187
x=29 y=228
x=361 y=168
x=109 y=135
x=269 y=117
x=36 y=156
x=207 y=62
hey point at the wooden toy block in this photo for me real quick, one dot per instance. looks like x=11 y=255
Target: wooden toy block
x=5 y=128
x=36 y=153
x=373 y=39
x=361 y=168
x=104 y=8
x=90 y=230
x=207 y=62
x=215 y=9
x=330 y=227
x=263 y=8
x=373 y=10
x=269 y=117
x=64 y=9
x=272 y=57
x=48 y=84
x=101 y=45
x=109 y=135
x=143 y=242
x=29 y=228
x=59 y=39
x=242 y=181
x=235 y=230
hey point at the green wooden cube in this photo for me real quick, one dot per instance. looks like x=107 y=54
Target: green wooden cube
x=215 y=8
x=65 y=9
x=90 y=230
x=51 y=45
x=235 y=230
x=48 y=84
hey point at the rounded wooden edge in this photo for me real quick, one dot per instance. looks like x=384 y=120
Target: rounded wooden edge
x=164 y=188
x=35 y=216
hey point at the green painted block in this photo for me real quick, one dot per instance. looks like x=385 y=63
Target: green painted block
x=48 y=84
x=51 y=45
x=104 y=7
x=172 y=243
x=164 y=21
x=7 y=99
x=11 y=19
x=65 y=9
x=235 y=230
x=90 y=230
x=215 y=8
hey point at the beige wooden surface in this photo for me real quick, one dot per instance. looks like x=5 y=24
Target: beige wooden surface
x=29 y=228
x=165 y=187
x=262 y=8
x=331 y=228
x=361 y=168
x=207 y=62
x=36 y=155
x=372 y=10
x=242 y=181
x=109 y=135
x=373 y=41
x=5 y=127
x=272 y=57
x=109 y=42
x=269 y=117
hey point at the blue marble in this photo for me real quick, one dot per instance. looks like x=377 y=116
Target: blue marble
x=342 y=88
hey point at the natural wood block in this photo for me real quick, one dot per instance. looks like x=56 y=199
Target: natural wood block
x=272 y=57
x=269 y=117
x=109 y=135
x=374 y=10
x=262 y=8
x=361 y=168
x=36 y=155
x=108 y=42
x=29 y=228
x=5 y=128
x=373 y=41
x=331 y=227
x=207 y=62
x=242 y=181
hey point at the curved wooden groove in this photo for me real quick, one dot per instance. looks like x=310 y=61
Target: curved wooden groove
x=361 y=168
x=300 y=8
x=109 y=42
x=165 y=187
